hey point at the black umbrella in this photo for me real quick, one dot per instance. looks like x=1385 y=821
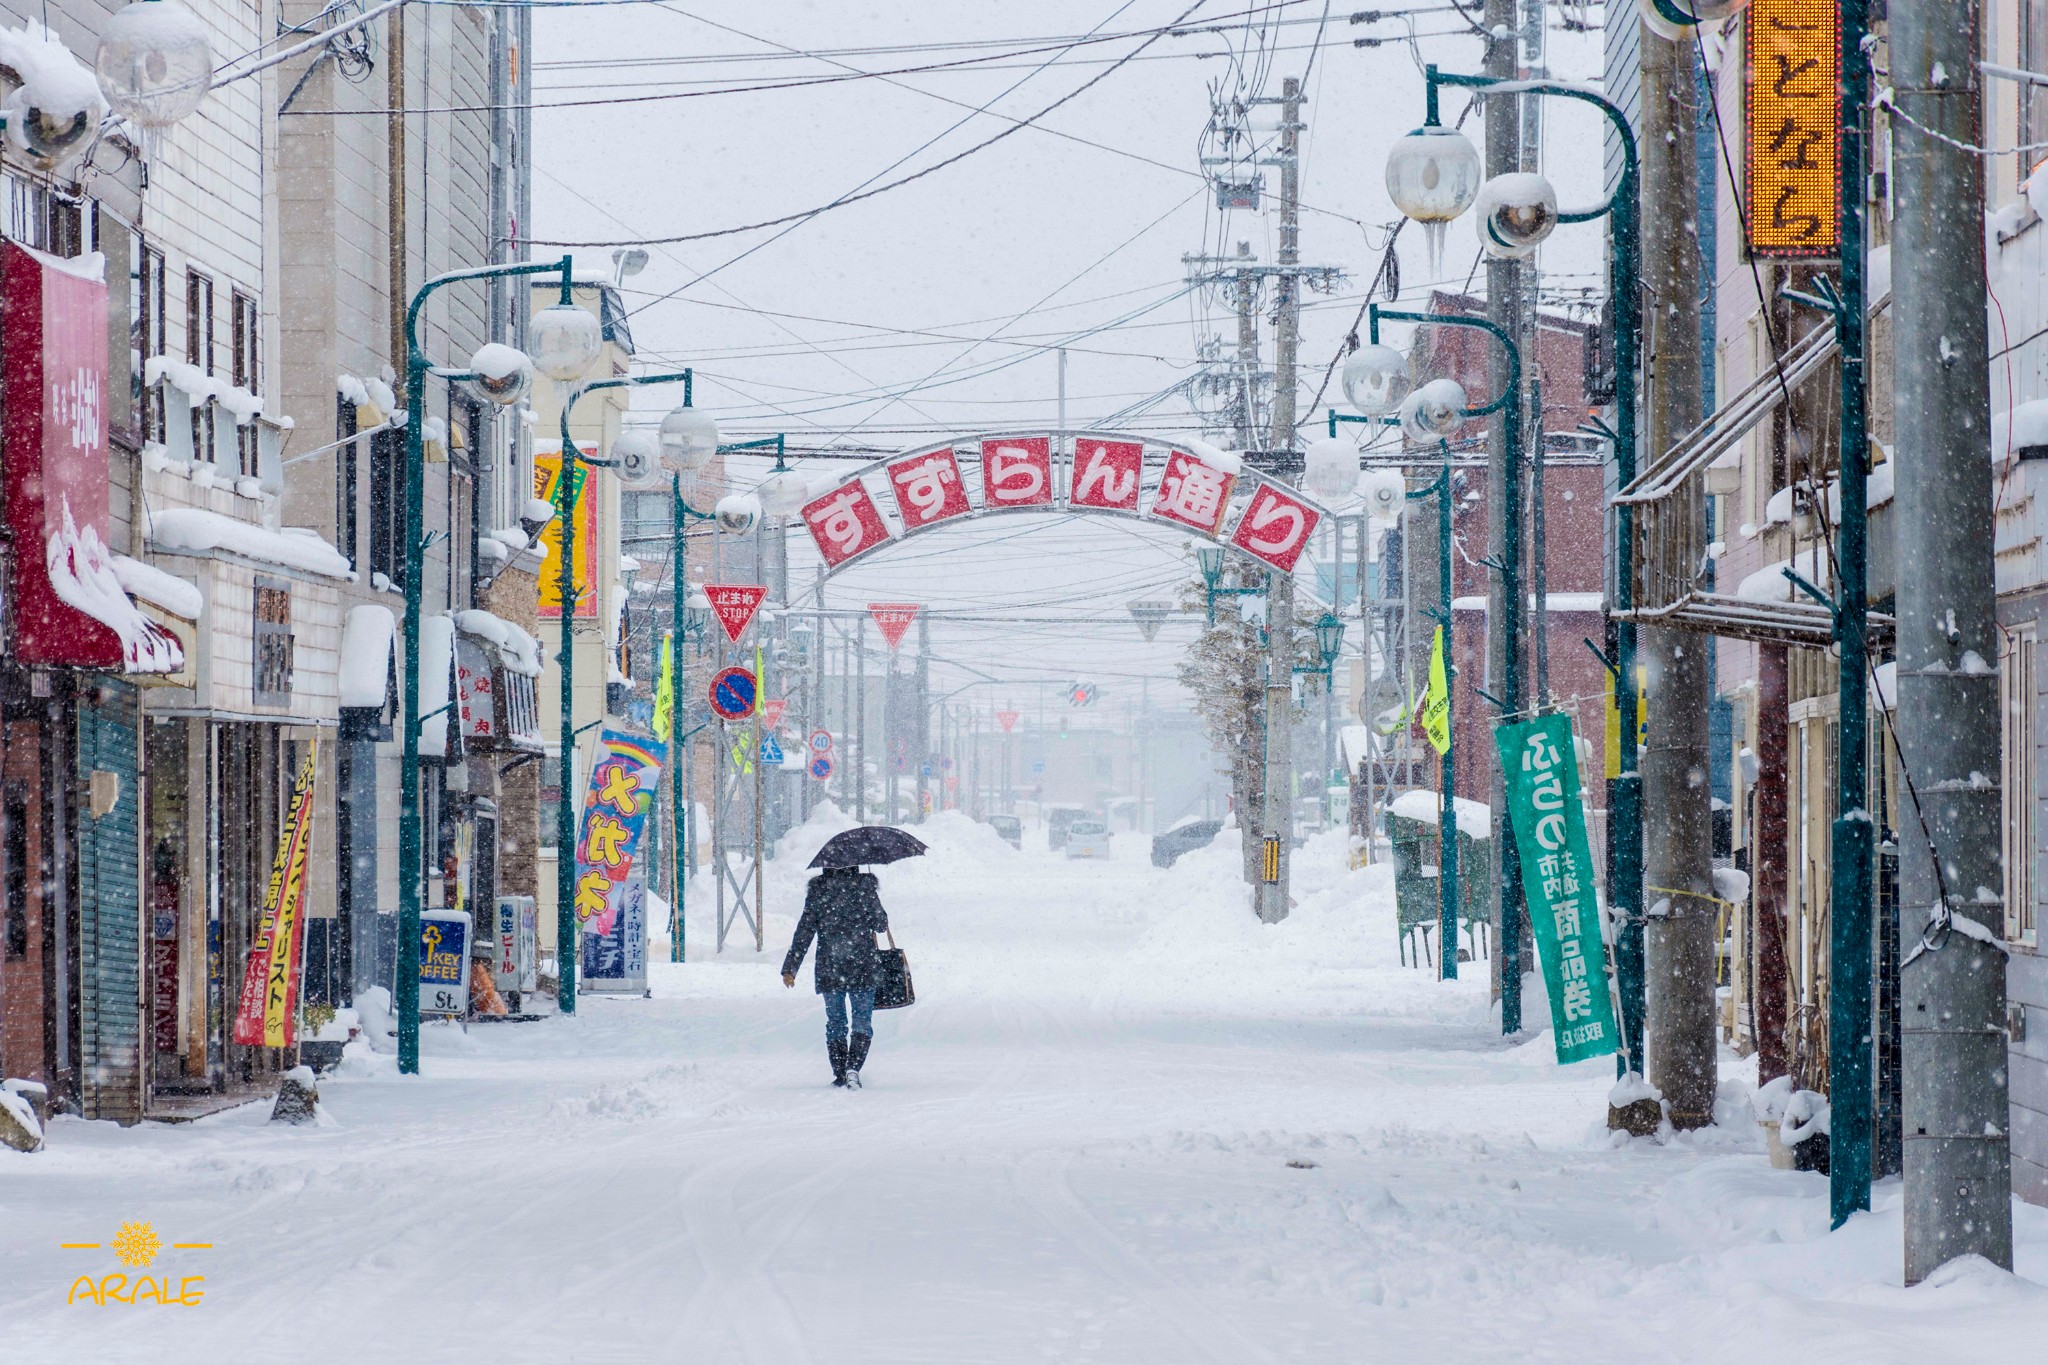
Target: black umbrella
x=867 y=845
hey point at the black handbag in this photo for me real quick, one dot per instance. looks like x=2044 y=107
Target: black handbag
x=893 y=988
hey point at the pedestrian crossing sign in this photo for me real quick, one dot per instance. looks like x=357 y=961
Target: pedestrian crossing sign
x=771 y=749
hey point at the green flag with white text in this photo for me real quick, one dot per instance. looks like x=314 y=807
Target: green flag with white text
x=1549 y=820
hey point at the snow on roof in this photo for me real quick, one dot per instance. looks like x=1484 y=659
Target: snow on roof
x=90 y=266
x=519 y=650
x=1475 y=818
x=437 y=673
x=194 y=530
x=1228 y=461
x=1357 y=743
x=366 y=637
x=1556 y=601
x=2023 y=427
x=1769 y=583
x=153 y=585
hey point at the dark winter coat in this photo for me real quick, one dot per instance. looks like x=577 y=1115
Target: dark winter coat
x=843 y=911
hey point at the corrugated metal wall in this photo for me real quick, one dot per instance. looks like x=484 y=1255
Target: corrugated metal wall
x=110 y=908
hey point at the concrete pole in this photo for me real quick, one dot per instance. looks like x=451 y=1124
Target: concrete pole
x=1504 y=308
x=1958 y=1165
x=1678 y=826
x=860 y=720
x=1279 y=821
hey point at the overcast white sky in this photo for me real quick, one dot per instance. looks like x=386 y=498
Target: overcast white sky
x=933 y=310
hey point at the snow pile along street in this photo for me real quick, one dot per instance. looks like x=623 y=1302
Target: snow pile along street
x=1125 y=1122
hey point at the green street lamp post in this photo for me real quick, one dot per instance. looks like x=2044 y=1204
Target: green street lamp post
x=567 y=940
x=502 y=374
x=1624 y=793
x=1375 y=379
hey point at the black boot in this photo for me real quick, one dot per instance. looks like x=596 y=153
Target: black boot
x=856 y=1056
x=837 y=1051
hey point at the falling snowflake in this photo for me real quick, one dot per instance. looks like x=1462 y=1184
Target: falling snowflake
x=137 y=1244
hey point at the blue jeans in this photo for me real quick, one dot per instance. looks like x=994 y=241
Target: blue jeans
x=863 y=1002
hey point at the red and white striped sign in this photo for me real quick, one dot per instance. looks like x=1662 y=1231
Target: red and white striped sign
x=1107 y=474
x=1275 y=527
x=928 y=488
x=1016 y=471
x=735 y=604
x=845 y=522
x=894 y=618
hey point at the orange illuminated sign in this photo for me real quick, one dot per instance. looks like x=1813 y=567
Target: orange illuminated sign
x=1794 y=64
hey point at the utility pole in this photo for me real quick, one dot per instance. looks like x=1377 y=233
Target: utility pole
x=1958 y=1164
x=1677 y=813
x=921 y=708
x=1503 y=115
x=860 y=721
x=1279 y=783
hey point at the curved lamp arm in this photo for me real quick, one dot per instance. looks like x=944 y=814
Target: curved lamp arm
x=1374 y=313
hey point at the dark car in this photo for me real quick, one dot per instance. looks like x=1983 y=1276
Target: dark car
x=1010 y=827
x=1183 y=838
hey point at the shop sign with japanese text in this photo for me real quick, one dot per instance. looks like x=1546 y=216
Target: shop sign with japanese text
x=1558 y=876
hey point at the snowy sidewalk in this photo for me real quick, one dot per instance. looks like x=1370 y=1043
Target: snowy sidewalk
x=1125 y=1123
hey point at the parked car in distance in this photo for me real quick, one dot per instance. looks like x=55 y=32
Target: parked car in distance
x=1010 y=827
x=1058 y=820
x=1088 y=839
x=1184 y=837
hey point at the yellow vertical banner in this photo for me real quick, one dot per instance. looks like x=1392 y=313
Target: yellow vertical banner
x=1613 y=709
x=268 y=1009
x=547 y=474
x=665 y=690
x=1436 y=700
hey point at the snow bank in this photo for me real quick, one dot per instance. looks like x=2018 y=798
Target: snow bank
x=366 y=637
x=1475 y=818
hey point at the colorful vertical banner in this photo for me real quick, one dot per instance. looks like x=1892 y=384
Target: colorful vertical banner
x=1541 y=769
x=547 y=474
x=267 y=1012
x=615 y=809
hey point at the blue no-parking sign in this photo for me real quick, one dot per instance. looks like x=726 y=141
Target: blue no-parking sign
x=732 y=694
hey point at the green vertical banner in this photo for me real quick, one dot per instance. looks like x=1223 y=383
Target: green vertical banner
x=1549 y=819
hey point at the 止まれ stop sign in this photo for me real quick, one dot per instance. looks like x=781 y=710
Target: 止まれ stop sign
x=732 y=694
x=821 y=766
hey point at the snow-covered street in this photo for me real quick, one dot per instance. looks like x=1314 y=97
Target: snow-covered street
x=1124 y=1123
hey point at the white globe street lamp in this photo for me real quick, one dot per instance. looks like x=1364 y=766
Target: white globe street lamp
x=783 y=494
x=1375 y=379
x=1433 y=411
x=737 y=513
x=155 y=62
x=1330 y=468
x=1517 y=211
x=566 y=340
x=689 y=440
x=503 y=373
x=1432 y=176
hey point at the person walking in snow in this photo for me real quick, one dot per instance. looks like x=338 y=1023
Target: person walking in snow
x=843 y=912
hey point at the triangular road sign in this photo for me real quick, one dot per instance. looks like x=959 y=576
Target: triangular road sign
x=894 y=618
x=772 y=711
x=1150 y=616
x=1007 y=719
x=735 y=605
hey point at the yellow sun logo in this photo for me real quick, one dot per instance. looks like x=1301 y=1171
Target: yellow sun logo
x=137 y=1244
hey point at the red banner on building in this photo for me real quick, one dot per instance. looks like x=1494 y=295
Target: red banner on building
x=894 y=618
x=1275 y=527
x=1192 y=493
x=1107 y=474
x=1016 y=471
x=928 y=488
x=734 y=604
x=845 y=523
x=67 y=606
x=267 y=1013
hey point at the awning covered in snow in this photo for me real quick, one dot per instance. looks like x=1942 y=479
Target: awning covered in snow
x=366 y=638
